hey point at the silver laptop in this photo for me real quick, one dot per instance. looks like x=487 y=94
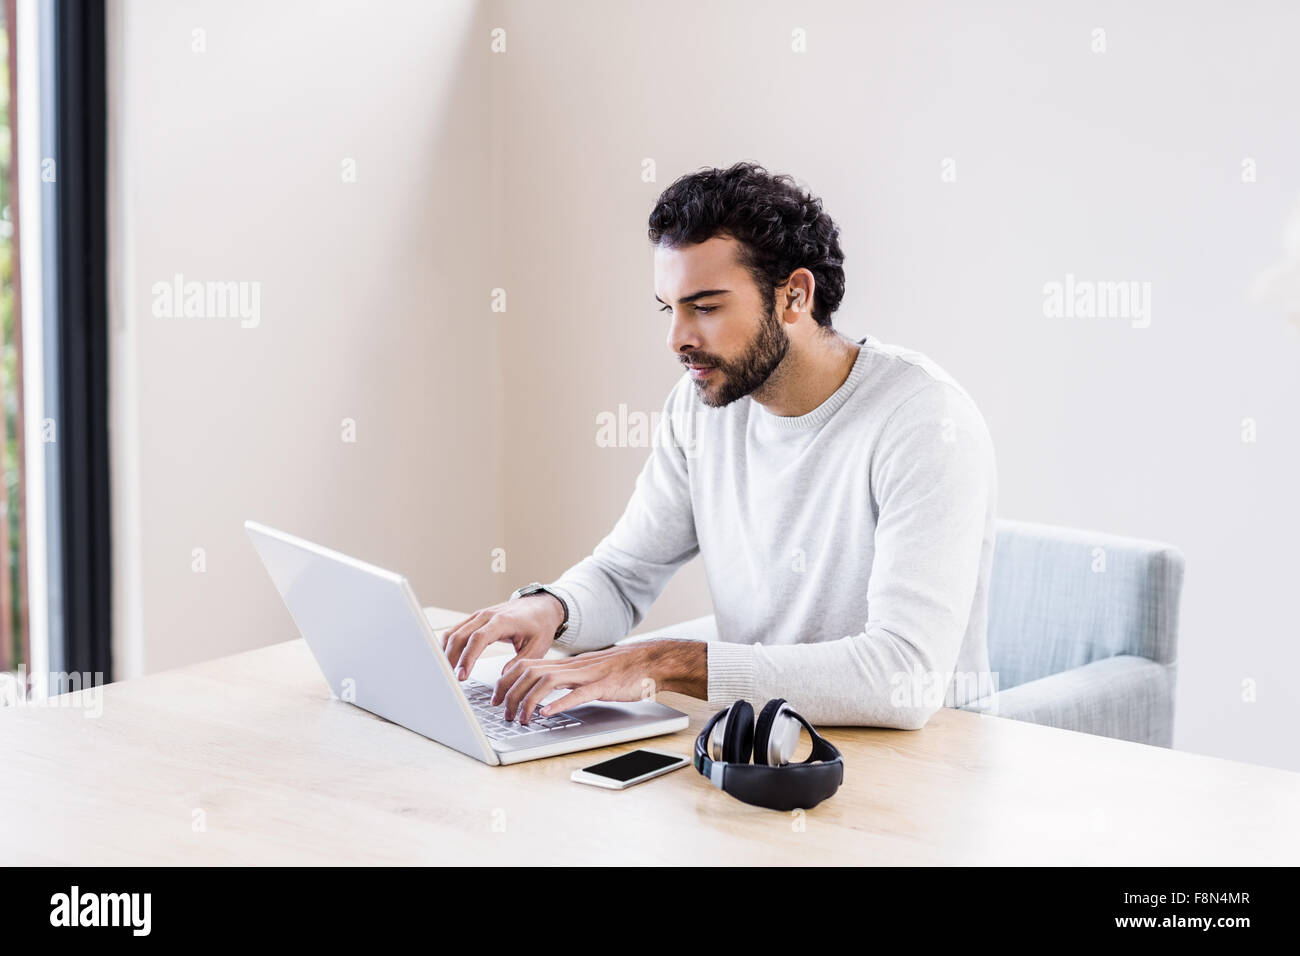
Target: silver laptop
x=378 y=650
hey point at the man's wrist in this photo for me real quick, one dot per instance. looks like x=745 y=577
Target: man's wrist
x=554 y=607
x=558 y=605
x=682 y=667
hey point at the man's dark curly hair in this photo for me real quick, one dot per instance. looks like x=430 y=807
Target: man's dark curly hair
x=779 y=226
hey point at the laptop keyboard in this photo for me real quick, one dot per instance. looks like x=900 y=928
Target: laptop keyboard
x=493 y=719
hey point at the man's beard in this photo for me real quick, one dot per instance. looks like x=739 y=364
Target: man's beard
x=752 y=369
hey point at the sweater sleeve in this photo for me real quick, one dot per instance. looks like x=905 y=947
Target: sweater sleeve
x=610 y=591
x=934 y=484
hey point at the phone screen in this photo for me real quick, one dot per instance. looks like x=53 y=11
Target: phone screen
x=626 y=767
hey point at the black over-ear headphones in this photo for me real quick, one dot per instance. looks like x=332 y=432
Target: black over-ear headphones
x=722 y=752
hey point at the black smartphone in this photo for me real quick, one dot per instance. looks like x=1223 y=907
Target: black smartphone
x=627 y=770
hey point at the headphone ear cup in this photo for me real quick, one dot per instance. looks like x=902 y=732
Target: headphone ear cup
x=763 y=729
x=739 y=740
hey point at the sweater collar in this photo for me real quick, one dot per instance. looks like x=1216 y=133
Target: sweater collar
x=822 y=413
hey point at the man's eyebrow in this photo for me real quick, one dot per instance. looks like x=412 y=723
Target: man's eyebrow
x=684 y=300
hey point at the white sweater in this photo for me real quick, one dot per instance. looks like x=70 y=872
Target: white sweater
x=847 y=550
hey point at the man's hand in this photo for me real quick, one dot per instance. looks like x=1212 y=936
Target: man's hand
x=529 y=623
x=629 y=672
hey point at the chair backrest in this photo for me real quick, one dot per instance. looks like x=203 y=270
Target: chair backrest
x=1061 y=597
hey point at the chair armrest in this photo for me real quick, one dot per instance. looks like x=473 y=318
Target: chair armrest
x=1126 y=697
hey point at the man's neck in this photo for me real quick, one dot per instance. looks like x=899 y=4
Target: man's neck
x=809 y=376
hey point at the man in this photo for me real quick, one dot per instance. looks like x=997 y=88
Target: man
x=841 y=494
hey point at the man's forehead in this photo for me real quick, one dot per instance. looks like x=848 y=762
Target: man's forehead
x=705 y=265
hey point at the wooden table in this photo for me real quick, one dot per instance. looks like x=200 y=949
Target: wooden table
x=249 y=759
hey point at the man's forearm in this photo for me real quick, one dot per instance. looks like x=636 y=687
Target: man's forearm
x=682 y=666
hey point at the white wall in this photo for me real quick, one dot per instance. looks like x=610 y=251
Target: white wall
x=522 y=170
x=1122 y=165
x=228 y=164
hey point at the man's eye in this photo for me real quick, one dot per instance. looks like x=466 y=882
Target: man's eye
x=702 y=309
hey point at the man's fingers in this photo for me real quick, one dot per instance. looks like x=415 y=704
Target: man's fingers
x=444 y=635
x=462 y=622
x=451 y=629
x=520 y=660
x=510 y=673
x=549 y=676
x=458 y=635
x=579 y=695
x=503 y=684
x=489 y=633
x=518 y=683
x=548 y=682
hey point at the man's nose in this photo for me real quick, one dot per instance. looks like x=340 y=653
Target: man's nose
x=681 y=336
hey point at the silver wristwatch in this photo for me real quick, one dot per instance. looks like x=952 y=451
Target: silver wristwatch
x=533 y=588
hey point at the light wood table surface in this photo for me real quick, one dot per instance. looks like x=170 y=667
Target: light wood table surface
x=249 y=759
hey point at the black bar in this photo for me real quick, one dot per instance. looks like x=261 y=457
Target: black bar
x=947 y=909
x=82 y=322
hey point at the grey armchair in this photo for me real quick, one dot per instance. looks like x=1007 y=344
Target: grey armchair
x=1083 y=631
